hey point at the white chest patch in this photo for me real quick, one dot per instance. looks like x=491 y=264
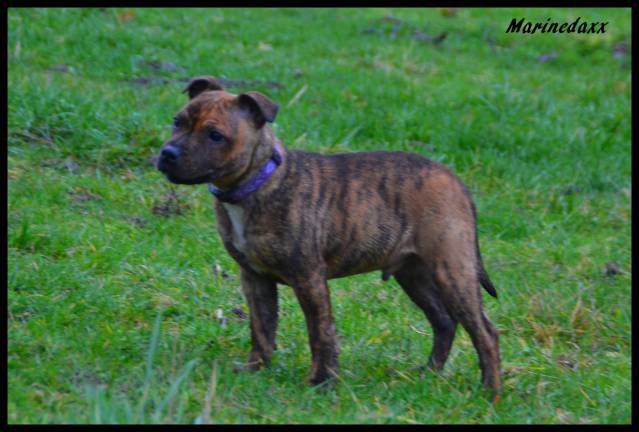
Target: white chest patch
x=236 y=214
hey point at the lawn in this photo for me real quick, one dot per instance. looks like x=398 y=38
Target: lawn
x=123 y=305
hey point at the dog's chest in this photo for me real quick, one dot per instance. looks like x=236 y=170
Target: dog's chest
x=238 y=221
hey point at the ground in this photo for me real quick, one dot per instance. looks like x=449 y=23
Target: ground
x=123 y=305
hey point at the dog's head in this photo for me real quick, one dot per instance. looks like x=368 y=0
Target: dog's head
x=217 y=135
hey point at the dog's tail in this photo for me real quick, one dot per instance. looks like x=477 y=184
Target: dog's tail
x=484 y=280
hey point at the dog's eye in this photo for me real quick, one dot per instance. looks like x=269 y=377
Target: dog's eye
x=176 y=122
x=216 y=136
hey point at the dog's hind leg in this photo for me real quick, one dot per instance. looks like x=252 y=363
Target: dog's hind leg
x=461 y=294
x=418 y=284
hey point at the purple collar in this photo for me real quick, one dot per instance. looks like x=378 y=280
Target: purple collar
x=240 y=192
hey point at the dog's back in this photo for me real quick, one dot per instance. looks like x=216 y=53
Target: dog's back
x=369 y=211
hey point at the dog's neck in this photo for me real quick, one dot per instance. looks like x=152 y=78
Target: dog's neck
x=255 y=176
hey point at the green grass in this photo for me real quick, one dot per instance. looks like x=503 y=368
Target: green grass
x=94 y=259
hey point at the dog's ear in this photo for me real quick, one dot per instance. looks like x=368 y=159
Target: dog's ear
x=202 y=83
x=260 y=108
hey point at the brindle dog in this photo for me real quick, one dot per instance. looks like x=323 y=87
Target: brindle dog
x=311 y=218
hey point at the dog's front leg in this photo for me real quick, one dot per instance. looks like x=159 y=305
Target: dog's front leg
x=314 y=297
x=261 y=295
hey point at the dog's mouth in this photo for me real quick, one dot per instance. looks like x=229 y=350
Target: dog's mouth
x=173 y=177
x=207 y=178
x=169 y=170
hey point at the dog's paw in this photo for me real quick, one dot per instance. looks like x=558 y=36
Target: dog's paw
x=323 y=379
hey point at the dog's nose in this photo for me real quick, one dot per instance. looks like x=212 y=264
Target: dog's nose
x=170 y=154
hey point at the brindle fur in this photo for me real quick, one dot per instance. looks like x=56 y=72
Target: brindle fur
x=323 y=217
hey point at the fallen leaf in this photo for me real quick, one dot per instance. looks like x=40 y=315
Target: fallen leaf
x=449 y=12
x=80 y=195
x=71 y=165
x=160 y=66
x=390 y=18
x=421 y=36
x=62 y=68
x=612 y=268
x=125 y=16
x=137 y=221
x=239 y=313
x=564 y=416
x=620 y=50
x=544 y=58
x=169 y=206
x=621 y=86
x=566 y=361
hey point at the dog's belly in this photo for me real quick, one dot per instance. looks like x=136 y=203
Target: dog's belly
x=358 y=251
x=364 y=250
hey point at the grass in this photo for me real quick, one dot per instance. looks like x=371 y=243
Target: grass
x=121 y=295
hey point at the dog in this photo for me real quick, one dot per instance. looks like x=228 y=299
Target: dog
x=298 y=218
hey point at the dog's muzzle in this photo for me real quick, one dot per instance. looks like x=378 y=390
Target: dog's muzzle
x=168 y=158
